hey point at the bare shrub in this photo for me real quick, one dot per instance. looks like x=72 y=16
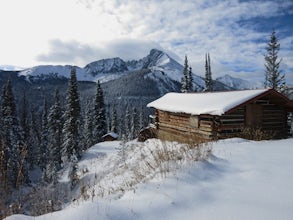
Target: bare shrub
x=257 y=134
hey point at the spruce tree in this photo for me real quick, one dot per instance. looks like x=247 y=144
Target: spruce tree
x=14 y=149
x=273 y=76
x=88 y=126
x=134 y=124
x=71 y=128
x=184 y=80
x=24 y=119
x=55 y=124
x=73 y=172
x=34 y=141
x=190 y=80
x=127 y=124
x=44 y=136
x=141 y=118
x=114 y=120
x=208 y=74
x=100 y=124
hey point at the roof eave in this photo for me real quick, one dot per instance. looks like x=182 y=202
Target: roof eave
x=287 y=102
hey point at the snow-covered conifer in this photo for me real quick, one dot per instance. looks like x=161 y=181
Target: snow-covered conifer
x=44 y=136
x=190 y=80
x=88 y=126
x=114 y=120
x=71 y=128
x=55 y=124
x=208 y=74
x=273 y=76
x=184 y=80
x=100 y=124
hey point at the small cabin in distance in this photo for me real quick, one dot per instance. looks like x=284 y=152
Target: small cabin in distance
x=111 y=136
x=189 y=117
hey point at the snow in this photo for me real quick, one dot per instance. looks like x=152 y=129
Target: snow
x=242 y=179
x=112 y=134
x=213 y=103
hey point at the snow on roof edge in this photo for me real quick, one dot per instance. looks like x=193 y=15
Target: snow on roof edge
x=212 y=103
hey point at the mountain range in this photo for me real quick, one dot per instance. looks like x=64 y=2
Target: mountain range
x=125 y=83
x=161 y=65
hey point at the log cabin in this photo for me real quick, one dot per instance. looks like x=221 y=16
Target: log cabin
x=253 y=114
x=111 y=136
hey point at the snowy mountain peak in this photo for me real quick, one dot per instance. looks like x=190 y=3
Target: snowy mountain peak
x=238 y=83
x=155 y=58
x=110 y=65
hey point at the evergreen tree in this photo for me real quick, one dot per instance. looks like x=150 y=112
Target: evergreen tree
x=184 y=80
x=134 y=124
x=88 y=126
x=208 y=74
x=44 y=136
x=34 y=141
x=24 y=119
x=273 y=77
x=190 y=80
x=73 y=173
x=71 y=128
x=12 y=140
x=127 y=124
x=114 y=120
x=100 y=124
x=55 y=124
x=141 y=118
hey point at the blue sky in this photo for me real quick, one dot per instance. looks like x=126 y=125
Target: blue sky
x=234 y=32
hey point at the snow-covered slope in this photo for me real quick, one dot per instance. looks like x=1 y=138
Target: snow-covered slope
x=238 y=84
x=10 y=68
x=114 y=65
x=241 y=180
x=44 y=72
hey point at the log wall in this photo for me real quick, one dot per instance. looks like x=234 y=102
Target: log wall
x=184 y=127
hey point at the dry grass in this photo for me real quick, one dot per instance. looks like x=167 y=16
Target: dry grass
x=257 y=134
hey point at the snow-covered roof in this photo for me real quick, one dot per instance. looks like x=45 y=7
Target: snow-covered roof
x=112 y=134
x=213 y=103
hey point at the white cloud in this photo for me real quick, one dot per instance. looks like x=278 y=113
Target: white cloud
x=84 y=30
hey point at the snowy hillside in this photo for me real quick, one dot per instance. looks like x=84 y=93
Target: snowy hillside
x=242 y=179
x=239 y=84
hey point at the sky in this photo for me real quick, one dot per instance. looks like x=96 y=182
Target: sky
x=76 y=32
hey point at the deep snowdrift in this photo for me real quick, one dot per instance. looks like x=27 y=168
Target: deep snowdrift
x=241 y=180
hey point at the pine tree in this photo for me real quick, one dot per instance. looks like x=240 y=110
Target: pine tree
x=12 y=140
x=34 y=141
x=141 y=118
x=208 y=74
x=114 y=120
x=44 y=136
x=73 y=173
x=55 y=124
x=190 y=80
x=273 y=76
x=88 y=126
x=100 y=124
x=184 y=80
x=24 y=119
x=134 y=124
x=71 y=128
x=127 y=124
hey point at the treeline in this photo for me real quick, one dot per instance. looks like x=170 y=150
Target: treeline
x=55 y=137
